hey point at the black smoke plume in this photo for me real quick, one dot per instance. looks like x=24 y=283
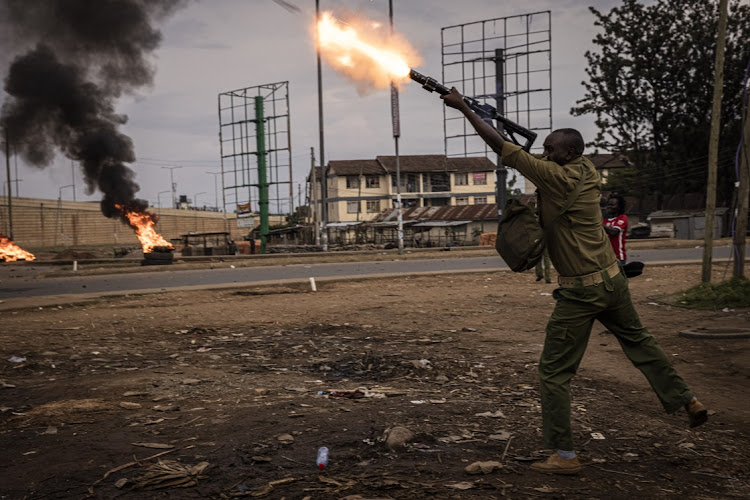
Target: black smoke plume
x=68 y=61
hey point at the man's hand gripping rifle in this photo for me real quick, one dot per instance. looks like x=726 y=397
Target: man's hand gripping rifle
x=511 y=129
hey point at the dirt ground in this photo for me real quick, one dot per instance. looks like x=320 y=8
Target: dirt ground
x=229 y=393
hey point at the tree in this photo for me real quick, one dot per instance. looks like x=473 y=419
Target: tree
x=650 y=88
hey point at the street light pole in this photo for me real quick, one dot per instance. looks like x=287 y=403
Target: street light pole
x=323 y=176
x=195 y=207
x=216 y=188
x=396 y=134
x=158 y=202
x=59 y=192
x=171 y=179
x=10 y=190
x=195 y=199
x=158 y=197
x=73 y=177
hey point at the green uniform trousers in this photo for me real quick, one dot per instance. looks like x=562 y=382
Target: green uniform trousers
x=568 y=333
x=543 y=267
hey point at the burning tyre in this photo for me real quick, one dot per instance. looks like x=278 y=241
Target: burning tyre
x=158 y=256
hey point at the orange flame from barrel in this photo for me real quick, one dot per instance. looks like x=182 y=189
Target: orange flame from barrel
x=143 y=223
x=10 y=252
x=364 y=52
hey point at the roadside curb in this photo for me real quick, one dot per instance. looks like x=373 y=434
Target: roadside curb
x=67 y=299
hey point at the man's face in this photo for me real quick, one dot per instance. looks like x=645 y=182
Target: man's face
x=613 y=209
x=555 y=150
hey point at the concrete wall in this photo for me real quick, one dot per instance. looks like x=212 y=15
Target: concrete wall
x=40 y=223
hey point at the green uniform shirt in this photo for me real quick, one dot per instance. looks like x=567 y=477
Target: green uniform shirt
x=576 y=242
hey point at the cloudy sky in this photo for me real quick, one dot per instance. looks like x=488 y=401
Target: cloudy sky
x=210 y=47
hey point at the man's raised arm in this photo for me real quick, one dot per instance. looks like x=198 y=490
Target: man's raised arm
x=486 y=131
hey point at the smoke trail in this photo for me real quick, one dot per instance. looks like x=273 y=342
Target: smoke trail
x=69 y=62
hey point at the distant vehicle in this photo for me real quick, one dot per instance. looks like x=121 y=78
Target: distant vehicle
x=641 y=230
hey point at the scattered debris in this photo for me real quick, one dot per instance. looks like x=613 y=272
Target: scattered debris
x=483 y=467
x=170 y=474
x=154 y=445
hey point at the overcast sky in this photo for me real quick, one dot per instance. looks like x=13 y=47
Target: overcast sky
x=210 y=47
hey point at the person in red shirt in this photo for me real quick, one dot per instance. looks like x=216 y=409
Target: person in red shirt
x=616 y=226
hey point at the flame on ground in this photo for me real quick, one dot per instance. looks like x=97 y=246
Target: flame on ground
x=143 y=223
x=365 y=51
x=10 y=252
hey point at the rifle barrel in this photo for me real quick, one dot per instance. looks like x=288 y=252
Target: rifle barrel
x=486 y=110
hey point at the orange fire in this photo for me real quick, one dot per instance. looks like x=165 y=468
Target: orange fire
x=366 y=53
x=143 y=223
x=10 y=252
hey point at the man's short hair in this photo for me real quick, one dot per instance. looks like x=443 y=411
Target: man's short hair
x=573 y=139
x=620 y=203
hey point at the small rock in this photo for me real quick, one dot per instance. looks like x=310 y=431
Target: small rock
x=191 y=381
x=261 y=392
x=166 y=408
x=397 y=437
x=121 y=483
x=285 y=439
x=130 y=405
x=501 y=436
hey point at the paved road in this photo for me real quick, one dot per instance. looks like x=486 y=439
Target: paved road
x=20 y=287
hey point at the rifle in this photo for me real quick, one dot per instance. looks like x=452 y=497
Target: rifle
x=486 y=111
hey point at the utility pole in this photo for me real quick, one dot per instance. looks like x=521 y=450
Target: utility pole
x=73 y=178
x=171 y=180
x=740 y=230
x=713 y=145
x=314 y=196
x=396 y=134
x=323 y=173
x=10 y=190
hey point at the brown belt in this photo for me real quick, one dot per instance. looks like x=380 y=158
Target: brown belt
x=588 y=279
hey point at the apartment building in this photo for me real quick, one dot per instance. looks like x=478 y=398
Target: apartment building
x=359 y=190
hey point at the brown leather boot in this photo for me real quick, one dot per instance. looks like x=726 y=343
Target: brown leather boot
x=697 y=413
x=556 y=464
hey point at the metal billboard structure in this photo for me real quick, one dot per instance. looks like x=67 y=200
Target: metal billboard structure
x=255 y=147
x=505 y=62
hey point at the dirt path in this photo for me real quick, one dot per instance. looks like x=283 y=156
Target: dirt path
x=238 y=388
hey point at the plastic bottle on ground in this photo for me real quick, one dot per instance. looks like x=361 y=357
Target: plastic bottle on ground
x=322 y=458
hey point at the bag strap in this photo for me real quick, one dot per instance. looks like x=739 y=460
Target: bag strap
x=572 y=197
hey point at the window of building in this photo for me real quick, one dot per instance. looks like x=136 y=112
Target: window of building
x=480 y=200
x=461 y=179
x=409 y=183
x=479 y=178
x=352 y=207
x=436 y=202
x=372 y=181
x=373 y=206
x=436 y=182
x=352 y=181
x=462 y=201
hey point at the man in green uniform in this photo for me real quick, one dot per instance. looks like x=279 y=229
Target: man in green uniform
x=591 y=286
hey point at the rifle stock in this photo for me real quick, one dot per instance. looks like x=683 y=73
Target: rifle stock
x=511 y=129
